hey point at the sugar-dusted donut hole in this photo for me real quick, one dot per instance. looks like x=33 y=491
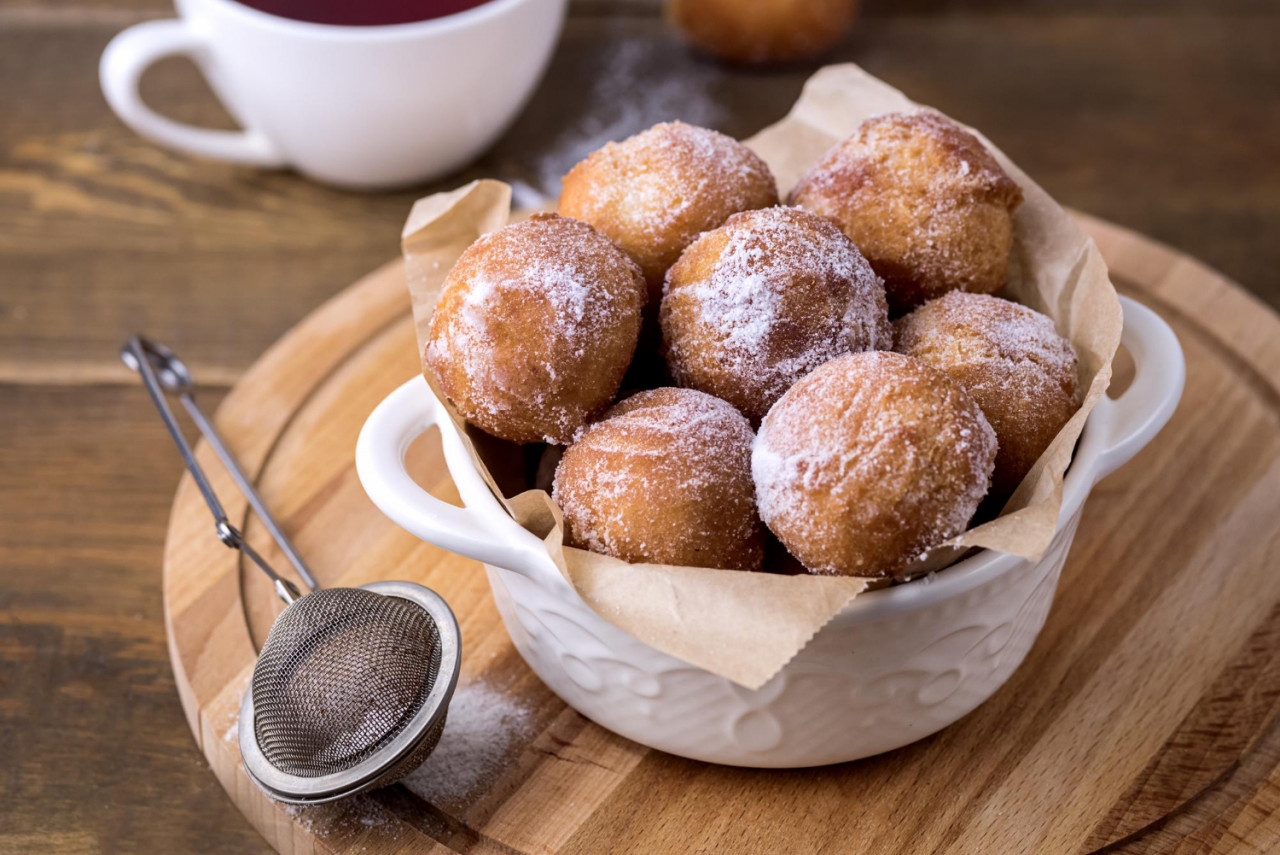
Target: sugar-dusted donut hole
x=870 y=461
x=924 y=200
x=664 y=477
x=753 y=306
x=535 y=328
x=655 y=192
x=1011 y=360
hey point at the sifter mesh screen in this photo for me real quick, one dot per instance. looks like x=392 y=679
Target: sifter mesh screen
x=342 y=672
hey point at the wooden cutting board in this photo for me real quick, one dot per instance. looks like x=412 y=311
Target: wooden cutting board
x=1143 y=719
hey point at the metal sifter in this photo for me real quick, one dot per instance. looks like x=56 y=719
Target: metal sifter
x=352 y=685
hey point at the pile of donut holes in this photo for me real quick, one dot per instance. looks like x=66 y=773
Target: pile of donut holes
x=834 y=372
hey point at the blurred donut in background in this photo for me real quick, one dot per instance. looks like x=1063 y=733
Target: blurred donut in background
x=761 y=31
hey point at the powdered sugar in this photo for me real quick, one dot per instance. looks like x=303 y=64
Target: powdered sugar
x=480 y=732
x=565 y=286
x=349 y=820
x=758 y=303
x=631 y=89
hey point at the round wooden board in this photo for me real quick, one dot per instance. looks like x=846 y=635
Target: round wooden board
x=1141 y=721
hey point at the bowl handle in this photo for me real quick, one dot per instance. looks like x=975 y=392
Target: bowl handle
x=482 y=529
x=1134 y=418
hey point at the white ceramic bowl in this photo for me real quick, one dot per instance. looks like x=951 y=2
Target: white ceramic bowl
x=894 y=666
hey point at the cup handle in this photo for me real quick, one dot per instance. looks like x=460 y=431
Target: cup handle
x=1134 y=418
x=482 y=530
x=130 y=54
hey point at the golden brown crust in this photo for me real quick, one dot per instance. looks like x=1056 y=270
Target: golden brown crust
x=535 y=327
x=1011 y=360
x=763 y=30
x=753 y=306
x=664 y=478
x=869 y=461
x=924 y=200
x=653 y=193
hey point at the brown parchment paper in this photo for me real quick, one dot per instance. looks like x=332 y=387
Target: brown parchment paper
x=747 y=626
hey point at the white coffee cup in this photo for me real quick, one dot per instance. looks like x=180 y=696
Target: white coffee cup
x=355 y=106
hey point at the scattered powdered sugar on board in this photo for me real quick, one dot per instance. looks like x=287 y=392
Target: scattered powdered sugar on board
x=348 y=819
x=625 y=96
x=232 y=733
x=482 y=726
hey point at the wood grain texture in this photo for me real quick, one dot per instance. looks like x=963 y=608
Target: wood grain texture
x=1155 y=114
x=96 y=757
x=1153 y=684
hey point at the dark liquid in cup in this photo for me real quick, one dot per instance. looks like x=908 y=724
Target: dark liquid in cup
x=362 y=13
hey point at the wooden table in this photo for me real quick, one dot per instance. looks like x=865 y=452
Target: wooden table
x=1161 y=118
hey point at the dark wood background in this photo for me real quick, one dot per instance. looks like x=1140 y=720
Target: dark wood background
x=1162 y=116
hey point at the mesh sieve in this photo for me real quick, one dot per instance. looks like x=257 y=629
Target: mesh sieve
x=352 y=684
x=342 y=672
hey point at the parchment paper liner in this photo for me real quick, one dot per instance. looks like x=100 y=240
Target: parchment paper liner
x=747 y=626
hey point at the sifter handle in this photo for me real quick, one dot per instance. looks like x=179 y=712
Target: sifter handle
x=136 y=356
